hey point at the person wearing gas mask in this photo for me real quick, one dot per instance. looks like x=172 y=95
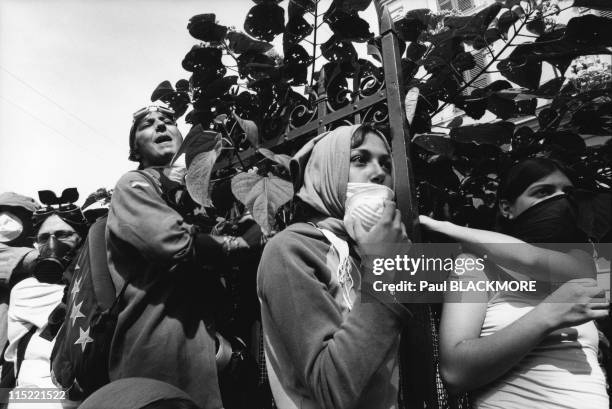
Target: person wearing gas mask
x=324 y=346
x=526 y=349
x=59 y=234
x=166 y=329
x=16 y=252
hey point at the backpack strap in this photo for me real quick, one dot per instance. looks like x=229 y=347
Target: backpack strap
x=21 y=348
x=103 y=286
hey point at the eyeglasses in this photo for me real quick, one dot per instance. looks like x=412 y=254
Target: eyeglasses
x=60 y=235
x=141 y=113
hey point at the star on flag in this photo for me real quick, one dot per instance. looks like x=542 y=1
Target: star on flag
x=77 y=284
x=75 y=312
x=84 y=338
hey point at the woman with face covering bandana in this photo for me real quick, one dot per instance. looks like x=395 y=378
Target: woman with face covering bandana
x=526 y=349
x=324 y=347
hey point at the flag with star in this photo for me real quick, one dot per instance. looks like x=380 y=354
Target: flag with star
x=80 y=356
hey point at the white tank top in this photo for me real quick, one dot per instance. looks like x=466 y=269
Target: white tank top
x=561 y=372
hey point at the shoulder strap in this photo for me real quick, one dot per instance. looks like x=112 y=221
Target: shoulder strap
x=21 y=349
x=103 y=286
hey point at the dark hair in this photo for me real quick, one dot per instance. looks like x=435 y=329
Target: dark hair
x=133 y=148
x=360 y=133
x=521 y=175
x=173 y=403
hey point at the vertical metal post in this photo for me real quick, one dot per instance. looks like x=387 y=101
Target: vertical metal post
x=418 y=357
x=400 y=143
x=321 y=101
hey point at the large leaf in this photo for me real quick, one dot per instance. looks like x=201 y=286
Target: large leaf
x=471 y=29
x=262 y=195
x=497 y=133
x=204 y=28
x=584 y=35
x=199 y=170
x=265 y=21
x=240 y=43
x=279 y=158
x=197 y=141
x=250 y=130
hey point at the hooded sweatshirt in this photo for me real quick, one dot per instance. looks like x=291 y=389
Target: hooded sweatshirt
x=323 y=350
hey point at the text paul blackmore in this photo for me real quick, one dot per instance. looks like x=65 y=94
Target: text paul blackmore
x=452 y=266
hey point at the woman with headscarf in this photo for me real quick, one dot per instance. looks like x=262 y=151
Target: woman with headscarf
x=324 y=347
x=519 y=349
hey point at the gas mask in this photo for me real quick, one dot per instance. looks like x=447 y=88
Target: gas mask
x=553 y=220
x=11 y=227
x=54 y=257
x=365 y=203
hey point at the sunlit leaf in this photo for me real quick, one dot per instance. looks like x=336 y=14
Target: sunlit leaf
x=198 y=140
x=410 y=103
x=250 y=130
x=279 y=158
x=197 y=179
x=262 y=195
